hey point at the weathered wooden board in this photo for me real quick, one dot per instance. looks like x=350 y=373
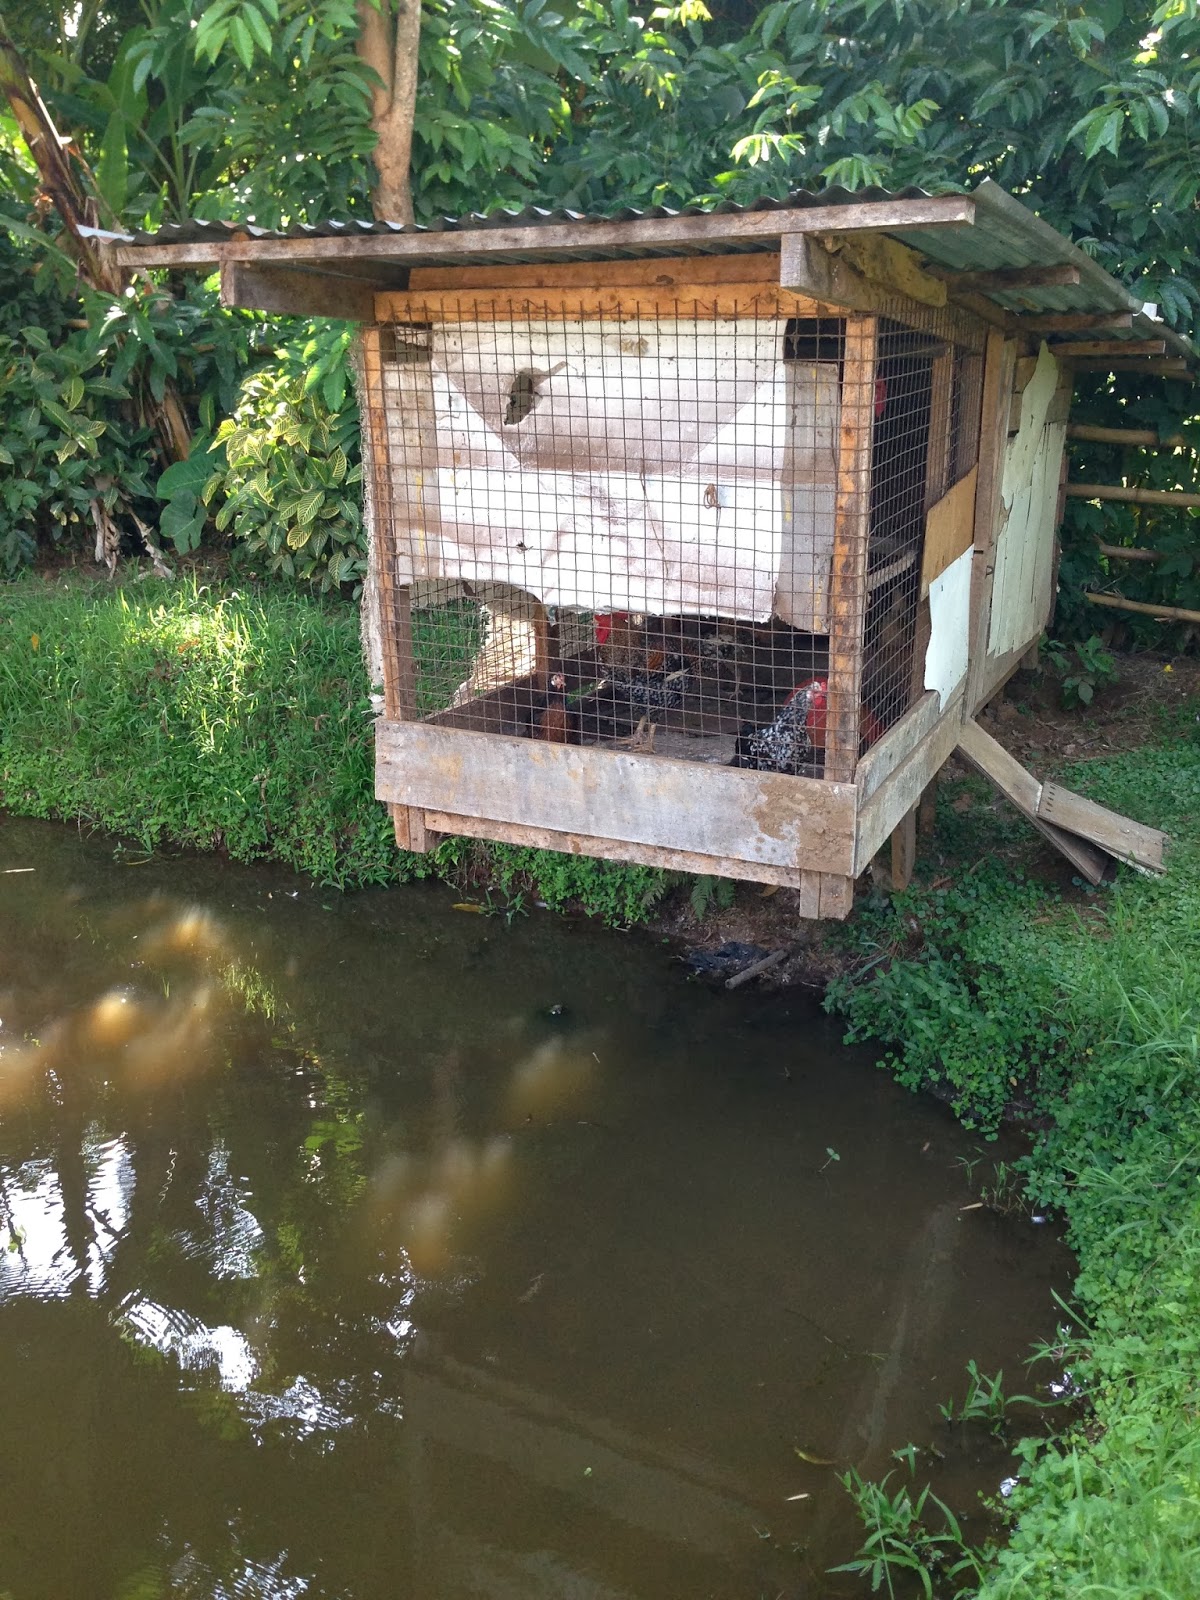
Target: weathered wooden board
x=886 y=754
x=1024 y=559
x=644 y=855
x=1129 y=841
x=1025 y=792
x=949 y=528
x=902 y=789
x=848 y=578
x=758 y=817
x=663 y=272
x=998 y=367
x=614 y=304
x=434 y=246
x=299 y=292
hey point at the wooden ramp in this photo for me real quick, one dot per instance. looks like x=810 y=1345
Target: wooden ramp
x=1089 y=835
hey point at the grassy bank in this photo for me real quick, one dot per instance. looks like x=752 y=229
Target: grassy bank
x=173 y=714
x=1087 y=1014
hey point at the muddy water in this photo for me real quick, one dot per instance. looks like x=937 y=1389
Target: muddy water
x=364 y=1248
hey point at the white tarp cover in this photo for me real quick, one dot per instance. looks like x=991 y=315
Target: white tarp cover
x=659 y=466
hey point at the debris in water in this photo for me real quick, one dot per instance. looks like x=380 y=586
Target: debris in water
x=792 y=1497
x=1007 y=1485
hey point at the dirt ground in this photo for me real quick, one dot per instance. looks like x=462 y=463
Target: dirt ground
x=1028 y=718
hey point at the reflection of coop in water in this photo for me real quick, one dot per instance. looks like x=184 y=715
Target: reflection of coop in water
x=700 y=540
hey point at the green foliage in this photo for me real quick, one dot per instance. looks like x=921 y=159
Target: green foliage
x=292 y=487
x=1112 y=1506
x=709 y=891
x=178 y=715
x=985 y=1402
x=1082 y=668
x=900 y=1541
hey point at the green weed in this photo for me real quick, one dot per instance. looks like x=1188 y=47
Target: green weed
x=175 y=714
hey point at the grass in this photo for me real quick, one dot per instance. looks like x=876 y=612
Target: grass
x=1085 y=1012
x=182 y=715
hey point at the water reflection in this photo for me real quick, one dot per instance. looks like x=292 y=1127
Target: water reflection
x=340 y=1263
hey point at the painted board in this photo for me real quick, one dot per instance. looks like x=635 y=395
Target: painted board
x=1024 y=561
x=654 y=465
x=949 y=528
x=949 y=627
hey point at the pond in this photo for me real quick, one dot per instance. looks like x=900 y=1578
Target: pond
x=361 y=1247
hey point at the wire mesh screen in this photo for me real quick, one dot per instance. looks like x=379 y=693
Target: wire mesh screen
x=619 y=531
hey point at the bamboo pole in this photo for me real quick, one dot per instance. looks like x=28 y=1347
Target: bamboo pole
x=1161 y=613
x=1122 y=552
x=1145 y=437
x=1134 y=496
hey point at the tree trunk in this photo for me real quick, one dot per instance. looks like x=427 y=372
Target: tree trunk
x=60 y=178
x=388 y=40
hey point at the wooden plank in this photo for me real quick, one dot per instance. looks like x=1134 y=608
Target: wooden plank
x=902 y=789
x=765 y=818
x=848 y=575
x=1131 y=494
x=901 y=739
x=750 y=298
x=1025 y=792
x=949 y=528
x=661 y=272
x=1155 y=369
x=1129 y=841
x=999 y=362
x=1007 y=279
x=1143 y=608
x=1074 y=321
x=1108 y=347
x=1144 y=438
x=644 y=855
x=435 y=246
x=395 y=614
x=299 y=292
x=939 y=470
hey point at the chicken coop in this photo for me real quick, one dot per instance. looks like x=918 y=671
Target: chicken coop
x=700 y=539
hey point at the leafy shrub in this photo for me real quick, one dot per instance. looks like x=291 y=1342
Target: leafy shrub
x=292 y=486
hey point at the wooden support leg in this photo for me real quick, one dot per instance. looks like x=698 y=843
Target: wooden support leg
x=411 y=833
x=927 y=811
x=904 y=851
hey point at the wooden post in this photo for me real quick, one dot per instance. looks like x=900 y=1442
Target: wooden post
x=904 y=851
x=395 y=614
x=998 y=371
x=848 y=578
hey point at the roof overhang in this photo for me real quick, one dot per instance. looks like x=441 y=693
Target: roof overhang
x=992 y=253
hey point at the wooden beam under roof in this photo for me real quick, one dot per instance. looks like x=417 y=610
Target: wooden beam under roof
x=1007 y=279
x=548 y=240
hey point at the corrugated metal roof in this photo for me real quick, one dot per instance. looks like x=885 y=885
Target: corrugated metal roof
x=1003 y=234
x=194 y=230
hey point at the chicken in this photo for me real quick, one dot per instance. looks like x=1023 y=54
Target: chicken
x=795 y=740
x=557 y=722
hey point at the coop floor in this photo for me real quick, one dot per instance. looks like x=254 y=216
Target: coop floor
x=703 y=726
